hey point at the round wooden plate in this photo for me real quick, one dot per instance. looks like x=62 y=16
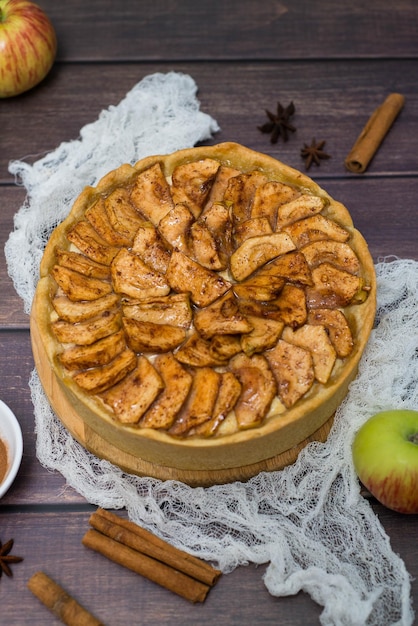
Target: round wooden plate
x=100 y=447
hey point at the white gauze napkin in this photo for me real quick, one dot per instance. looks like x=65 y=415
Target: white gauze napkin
x=308 y=522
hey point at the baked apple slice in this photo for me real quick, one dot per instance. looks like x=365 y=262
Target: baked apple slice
x=88 y=331
x=135 y=279
x=240 y=192
x=258 y=389
x=175 y=226
x=81 y=310
x=77 y=286
x=204 y=248
x=229 y=392
x=291 y=306
x=336 y=253
x=98 y=217
x=152 y=338
x=315 y=228
x=185 y=275
x=255 y=252
x=176 y=386
x=264 y=335
x=268 y=197
x=99 y=353
x=222 y=317
x=151 y=194
x=253 y=227
x=302 y=206
x=332 y=287
x=224 y=347
x=291 y=266
x=89 y=242
x=293 y=370
x=197 y=352
x=262 y=287
x=220 y=183
x=82 y=264
x=130 y=397
x=98 y=379
x=217 y=218
x=149 y=246
x=337 y=327
x=122 y=215
x=173 y=309
x=213 y=352
x=316 y=340
x=200 y=402
x=192 y=182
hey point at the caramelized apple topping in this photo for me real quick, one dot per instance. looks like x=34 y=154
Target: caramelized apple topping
x=193 y=304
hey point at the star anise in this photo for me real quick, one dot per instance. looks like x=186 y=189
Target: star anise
x=314 y=153
x=279 y=124
x=6 y=559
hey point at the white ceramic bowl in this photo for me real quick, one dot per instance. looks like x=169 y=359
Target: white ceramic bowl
x=11 y=435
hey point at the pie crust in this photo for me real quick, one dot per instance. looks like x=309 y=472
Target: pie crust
x=102 y=268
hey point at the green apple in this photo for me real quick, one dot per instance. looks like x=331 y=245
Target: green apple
x=27 y=46
x=385 y=455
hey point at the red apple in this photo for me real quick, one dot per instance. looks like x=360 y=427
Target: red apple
x=27 y=46
x=385 y=455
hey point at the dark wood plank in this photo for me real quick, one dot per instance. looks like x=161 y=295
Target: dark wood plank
x=11 y=305
x=337 y=62
x=384 y=210
x=120 y=597
x=34 y=484
x=236 y=29
x=332 y=103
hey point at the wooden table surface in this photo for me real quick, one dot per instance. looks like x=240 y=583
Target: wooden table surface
x=336 y=61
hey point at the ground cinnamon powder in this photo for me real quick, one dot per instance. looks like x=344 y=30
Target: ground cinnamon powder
x=3 y=460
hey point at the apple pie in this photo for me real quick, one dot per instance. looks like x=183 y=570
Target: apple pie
x=205 y=309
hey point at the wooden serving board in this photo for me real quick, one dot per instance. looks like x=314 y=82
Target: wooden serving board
x=104 y=449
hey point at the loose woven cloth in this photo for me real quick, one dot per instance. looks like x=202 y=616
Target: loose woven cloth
x=307 y=522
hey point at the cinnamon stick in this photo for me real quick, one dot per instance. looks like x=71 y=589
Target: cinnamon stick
x=160 y=573
x=373 y=133
x=140 y=539
x=59 y=602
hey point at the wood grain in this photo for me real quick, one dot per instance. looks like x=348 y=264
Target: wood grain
x=232 y=30
x=74 y=94
x=118 y=596
x=336 y=61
